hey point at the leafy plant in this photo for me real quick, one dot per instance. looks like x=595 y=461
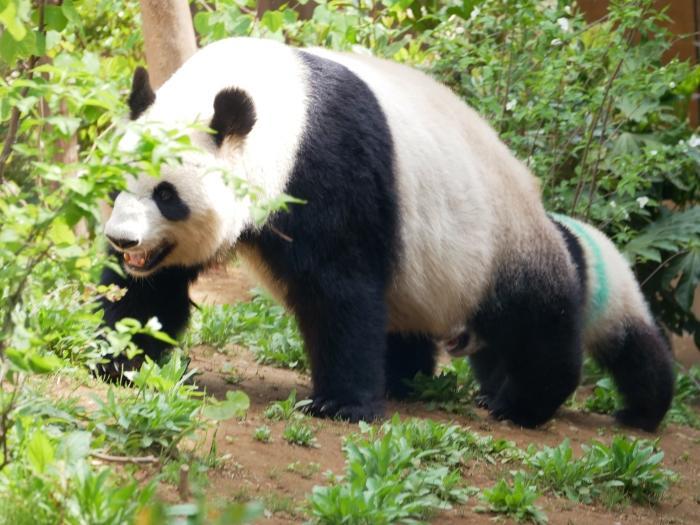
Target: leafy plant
x=398 y=473
x=628 y=469
x=604 y=399
x=452 y=390
x=151 y=421
x=516 y=500
x=296 y=432
x=684 y=409
x=287 y=409
x=262 y=434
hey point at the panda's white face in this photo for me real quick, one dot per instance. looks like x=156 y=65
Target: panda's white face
x=182 y=218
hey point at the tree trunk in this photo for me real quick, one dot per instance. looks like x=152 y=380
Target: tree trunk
x=168 y=36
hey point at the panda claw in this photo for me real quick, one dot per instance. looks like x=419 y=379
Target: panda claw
x=334 y=409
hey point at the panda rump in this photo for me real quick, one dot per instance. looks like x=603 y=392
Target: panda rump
x=417 y=221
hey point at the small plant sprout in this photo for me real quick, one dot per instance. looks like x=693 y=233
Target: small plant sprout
x=299 y=433
x=262 y=434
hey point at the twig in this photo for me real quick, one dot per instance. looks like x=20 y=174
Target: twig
x=183 y=487
x=661 y=265
x=591 y=134
x=138 y=460
x=13 y=126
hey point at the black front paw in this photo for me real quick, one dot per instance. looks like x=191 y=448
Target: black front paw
x=483 y=400
x=114 y=370
x=336 y=409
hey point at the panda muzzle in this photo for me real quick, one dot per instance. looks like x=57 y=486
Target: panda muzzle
x=146 y=260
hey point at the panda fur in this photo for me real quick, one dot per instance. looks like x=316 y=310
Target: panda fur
x=417 y=221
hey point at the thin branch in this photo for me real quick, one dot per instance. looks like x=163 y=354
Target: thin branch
x=136 y=460
x=13 y=126
x=662 y=265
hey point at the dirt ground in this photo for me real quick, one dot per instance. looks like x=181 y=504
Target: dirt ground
x=257 y=470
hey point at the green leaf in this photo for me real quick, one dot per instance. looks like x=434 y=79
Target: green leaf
x=273 y=20
x=9 y=18
x=60 y=234
x=70 y=12
x=235 y=405
x=54 y=18
x=40 y=452
x=44 y=364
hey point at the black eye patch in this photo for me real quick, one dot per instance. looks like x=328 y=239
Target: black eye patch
x=169 y=202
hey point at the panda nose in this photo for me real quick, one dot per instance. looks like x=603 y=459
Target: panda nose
x=122 y=243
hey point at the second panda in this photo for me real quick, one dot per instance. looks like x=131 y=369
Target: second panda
x=417 y=221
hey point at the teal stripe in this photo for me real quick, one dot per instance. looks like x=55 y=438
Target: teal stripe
x=600 y=293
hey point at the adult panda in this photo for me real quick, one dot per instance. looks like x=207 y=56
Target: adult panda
x=417 y=220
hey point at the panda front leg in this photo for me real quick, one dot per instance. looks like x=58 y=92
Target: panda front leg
x=164 y=295
x=344 y=329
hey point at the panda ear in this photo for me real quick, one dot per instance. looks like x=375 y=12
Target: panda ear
x=234 y=114
x=142 y=94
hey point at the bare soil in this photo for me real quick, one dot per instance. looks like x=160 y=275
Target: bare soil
x=256 y=470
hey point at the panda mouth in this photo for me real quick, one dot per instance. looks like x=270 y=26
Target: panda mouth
x=145 y=260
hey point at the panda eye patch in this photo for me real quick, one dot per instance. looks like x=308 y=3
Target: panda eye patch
x=171 y=206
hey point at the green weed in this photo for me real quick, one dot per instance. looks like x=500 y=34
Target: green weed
x=627 y=470
x=516 y=501
x=296 y=432
x=262 y=434
x=285 y=410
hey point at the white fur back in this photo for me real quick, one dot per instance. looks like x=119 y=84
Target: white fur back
x=455 y=178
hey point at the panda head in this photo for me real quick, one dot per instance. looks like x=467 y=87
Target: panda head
x=185 y=216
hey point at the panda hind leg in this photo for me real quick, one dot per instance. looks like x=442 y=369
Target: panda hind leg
x=640 y=361
x=406 y=356
x=532 y=353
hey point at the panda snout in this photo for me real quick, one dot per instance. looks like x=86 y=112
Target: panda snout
x=122 y=243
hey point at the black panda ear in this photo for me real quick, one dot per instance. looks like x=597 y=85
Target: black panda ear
x=142 y=94
x=234 y=114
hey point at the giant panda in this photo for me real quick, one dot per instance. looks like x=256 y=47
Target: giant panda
x=417 y=220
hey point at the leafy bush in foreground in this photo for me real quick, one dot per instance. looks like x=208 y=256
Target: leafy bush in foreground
x=627 y=470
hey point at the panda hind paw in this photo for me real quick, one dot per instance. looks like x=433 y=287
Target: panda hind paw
x=351 y=412
x=632 y=418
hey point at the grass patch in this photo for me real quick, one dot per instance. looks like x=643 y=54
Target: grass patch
x=305 y=470
x=259 y=324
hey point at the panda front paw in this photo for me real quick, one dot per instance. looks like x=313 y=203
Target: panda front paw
x=115 y=370
x=483 y=400
x=352 y=412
